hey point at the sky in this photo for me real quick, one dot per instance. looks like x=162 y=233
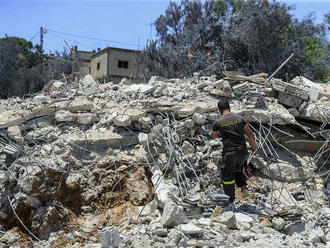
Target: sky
x=116 y=23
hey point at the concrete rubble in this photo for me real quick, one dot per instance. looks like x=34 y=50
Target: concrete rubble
x=130 y=165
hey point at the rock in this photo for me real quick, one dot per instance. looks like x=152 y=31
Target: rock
x=161 y=232
x=63 y=116
x=145 y=120
x=110 y=237
x=172 y=215
x=315 y=236
x=87 y=118
x=72 y=181
x=226 y=218
x=122 y=121
x=302 y=81
x=186 y=111
x=134 y=114
x=204 y=221
x=278 y=224
x=97 y=140
x=79 y=104
x=246 y=235
x=3 y=177
x=188 y=123
x=199 y=119
x=10 y=237
x=243 y=219
x=161 y=187
x=295 y=112
x=187 y=147
x=143 y=138
x=155 y=79
x=88 y=81
x=235 y=237
x=28 y=180
x=191 y=229
x=140 y=88
x=289 y=172
x=14 y=132
x=32 y=201
x=57 y=84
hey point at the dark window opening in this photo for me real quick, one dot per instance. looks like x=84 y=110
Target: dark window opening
x=98 y=66
x=122 y=64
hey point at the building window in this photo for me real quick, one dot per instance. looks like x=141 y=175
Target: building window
x=122 y=64
x=98 y=66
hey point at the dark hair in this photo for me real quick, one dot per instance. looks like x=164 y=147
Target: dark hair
x=223 y=104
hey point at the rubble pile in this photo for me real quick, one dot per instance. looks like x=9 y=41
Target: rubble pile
x=130 y=165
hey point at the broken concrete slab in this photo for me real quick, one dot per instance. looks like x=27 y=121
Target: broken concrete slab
x=96 y=140
x=64 y=116
x=86 y=118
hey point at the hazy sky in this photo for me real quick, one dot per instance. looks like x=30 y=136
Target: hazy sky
x=118 y=23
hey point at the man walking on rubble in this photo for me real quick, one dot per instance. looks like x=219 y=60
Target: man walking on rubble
x=231 y=127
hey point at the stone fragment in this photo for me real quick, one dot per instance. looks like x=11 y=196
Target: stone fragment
x=87 y=118
x=243 y=219
x=88 y=81
x=191 y=229
x=134 y=114
x=204 y=221
x=226 y=218
x=63 y=116
x=161 y=232
x=199 y=119
x=32 y=201
x=145 y=120
x=188 y=123
x=246 y=235
x=187 y=147
x=315 y=236
x=122 y=121
x=14 y=132
x=172 y=215
x=3 y=177
x=186 y=111
x=97 y=140
x=57 y=84
x=79 y=104
x=278 y=224
x=72 y=181
x=143 y=138
x=110 y=237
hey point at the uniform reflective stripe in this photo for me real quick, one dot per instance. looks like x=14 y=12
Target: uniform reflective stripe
x=229 y=182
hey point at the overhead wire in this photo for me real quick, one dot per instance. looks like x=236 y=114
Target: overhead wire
x=91 y=38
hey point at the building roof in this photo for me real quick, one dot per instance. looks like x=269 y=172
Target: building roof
x=112 y=48
x=85 y=55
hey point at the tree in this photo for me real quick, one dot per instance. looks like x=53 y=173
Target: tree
x=23 y=68
x=250 y=36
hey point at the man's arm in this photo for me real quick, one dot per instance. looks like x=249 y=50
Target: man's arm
x=250 y=134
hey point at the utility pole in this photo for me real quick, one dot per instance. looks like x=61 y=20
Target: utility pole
x=41 y=39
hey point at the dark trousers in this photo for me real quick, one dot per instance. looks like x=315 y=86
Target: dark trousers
x=232 y=172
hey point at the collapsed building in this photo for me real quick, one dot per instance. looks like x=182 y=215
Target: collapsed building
x=129 y=165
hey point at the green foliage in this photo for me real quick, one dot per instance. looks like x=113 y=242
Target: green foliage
x=313 y=50
x=250 y=36
x=24 y=69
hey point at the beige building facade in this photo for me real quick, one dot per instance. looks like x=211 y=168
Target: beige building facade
x=115 y=64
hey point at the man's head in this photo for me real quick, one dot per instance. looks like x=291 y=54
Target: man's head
x=223 y=105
